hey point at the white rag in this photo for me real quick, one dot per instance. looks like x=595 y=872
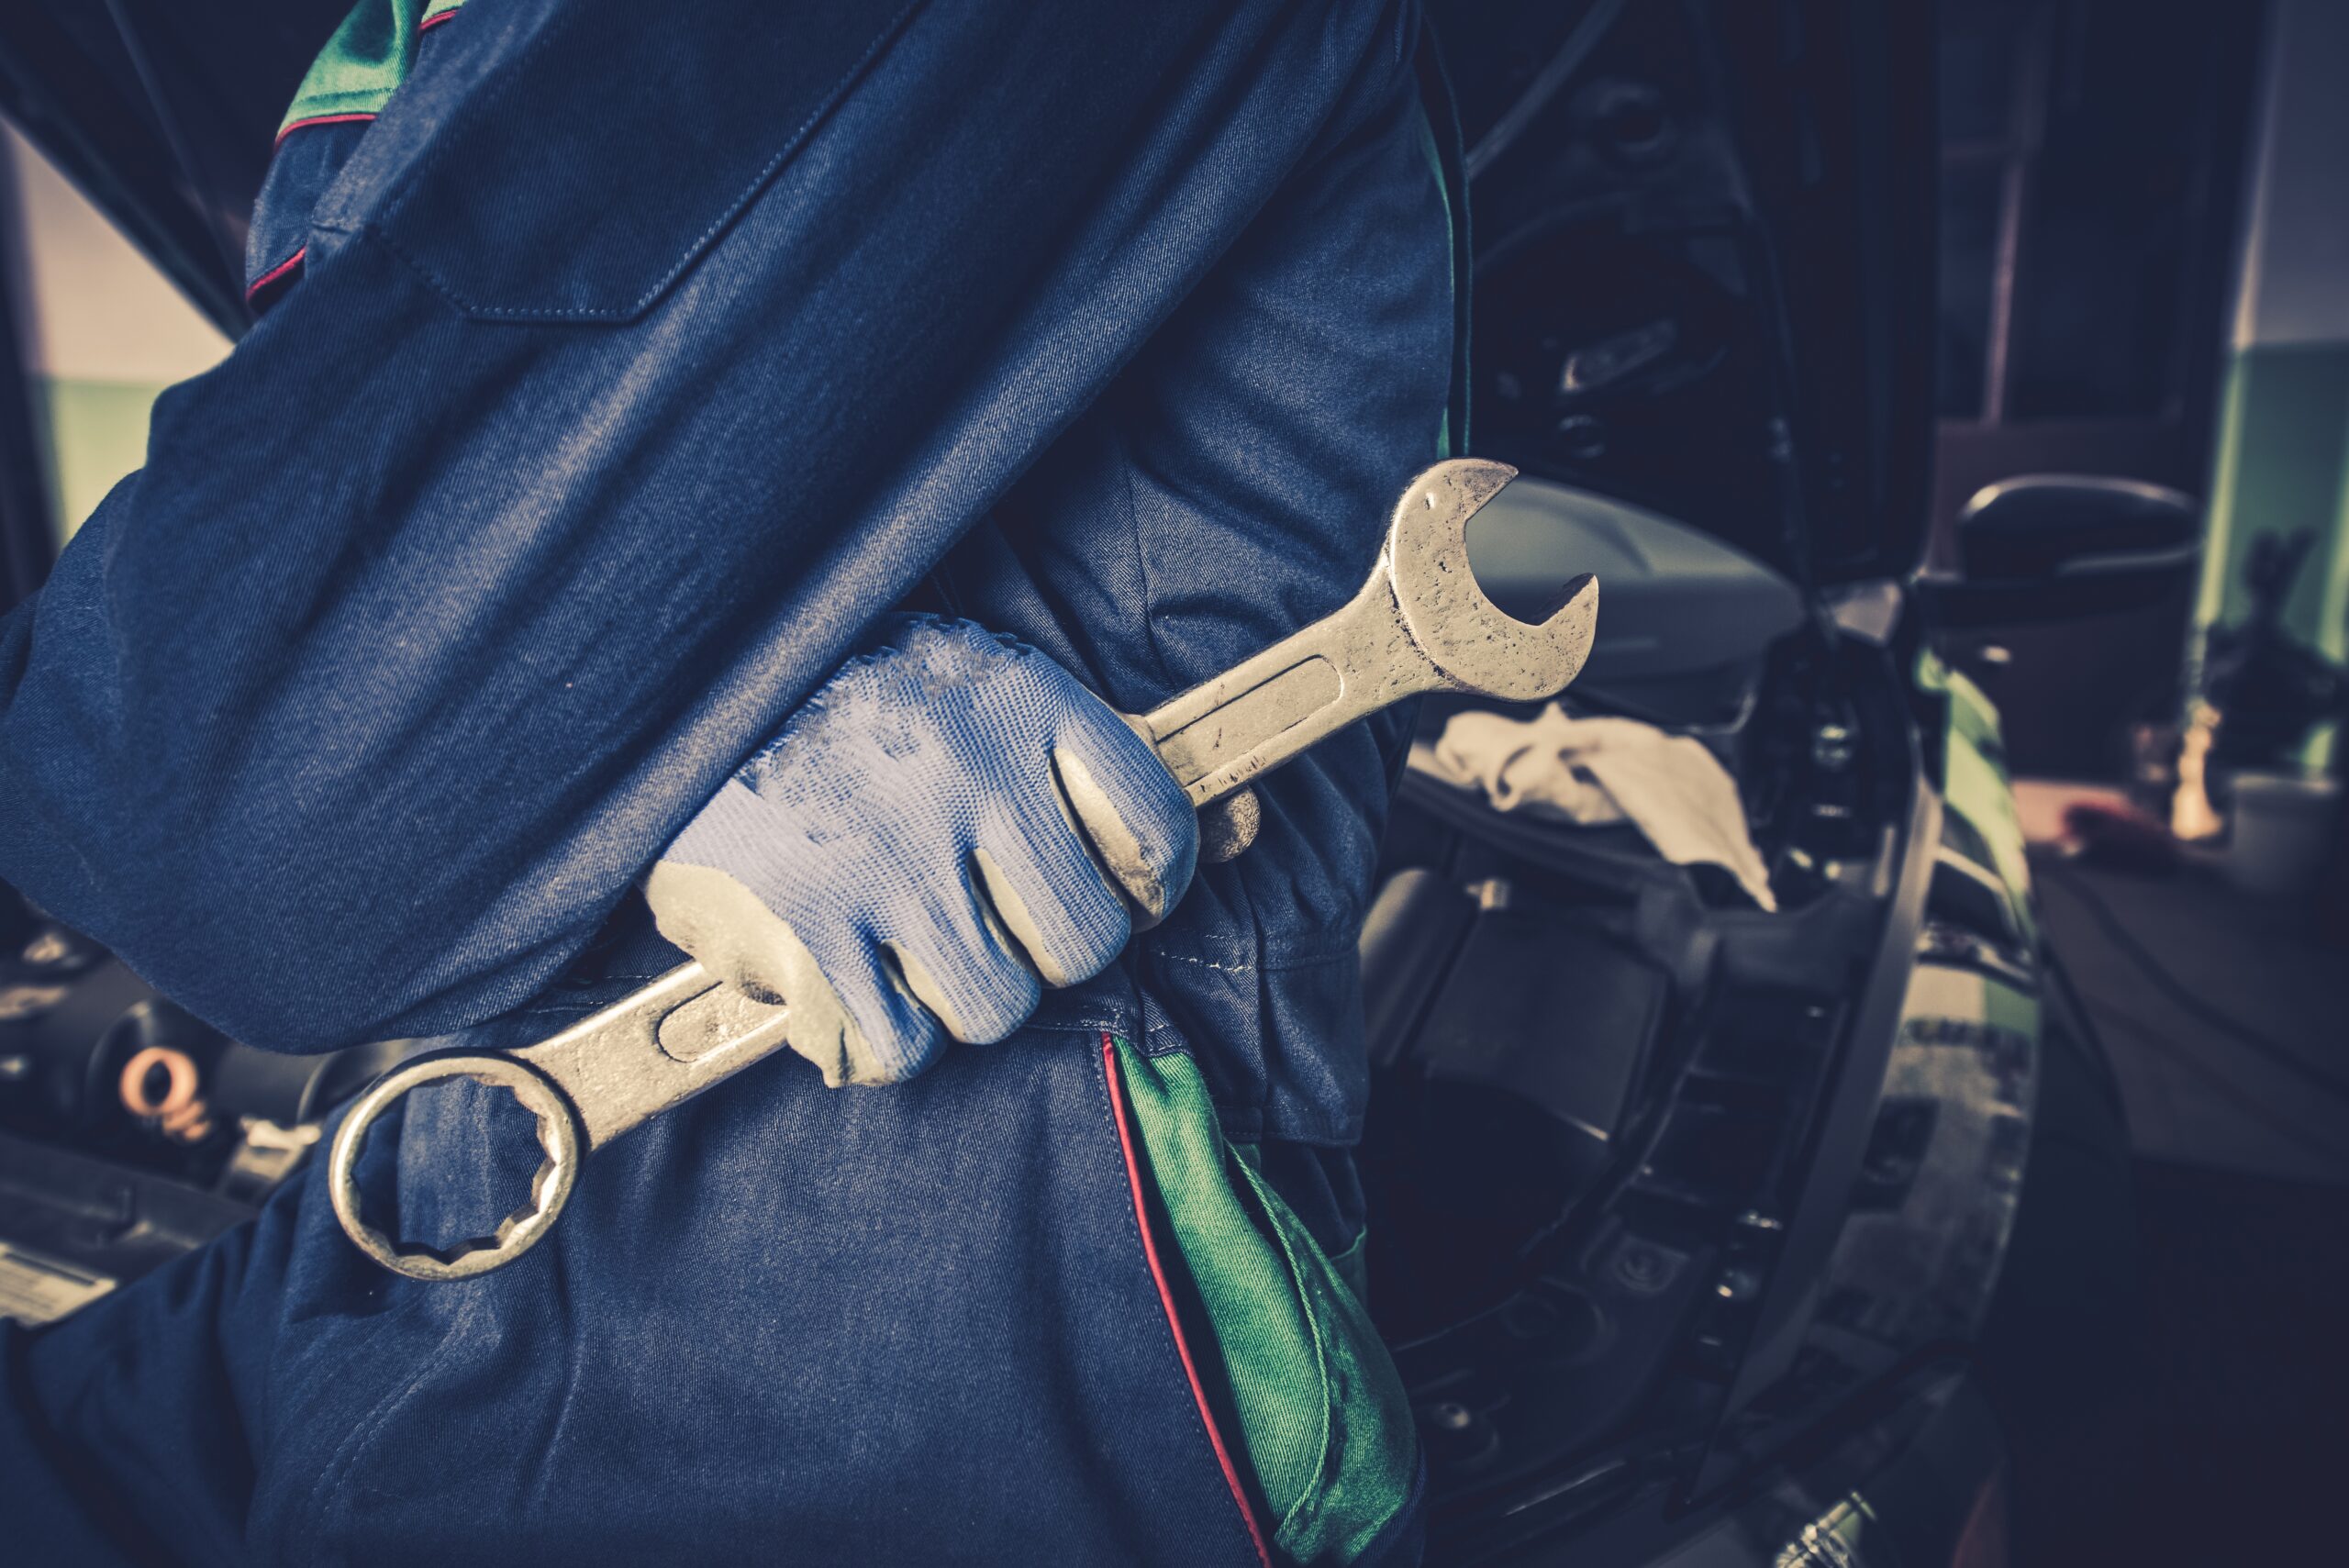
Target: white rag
x=1599 y=771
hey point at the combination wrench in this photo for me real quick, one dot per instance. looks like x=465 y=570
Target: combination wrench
x=1419 y=623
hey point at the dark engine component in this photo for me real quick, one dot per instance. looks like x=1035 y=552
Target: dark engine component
x=1507 y=1033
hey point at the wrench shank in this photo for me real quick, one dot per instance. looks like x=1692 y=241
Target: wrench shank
x=1260 y=713
x=654 y=1048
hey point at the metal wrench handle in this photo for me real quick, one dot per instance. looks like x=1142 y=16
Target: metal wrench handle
x=1218 y=737
x=1419 y=624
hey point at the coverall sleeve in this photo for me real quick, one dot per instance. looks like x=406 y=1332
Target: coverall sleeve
x=639 y=360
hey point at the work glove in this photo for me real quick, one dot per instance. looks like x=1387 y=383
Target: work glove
x=948 y=823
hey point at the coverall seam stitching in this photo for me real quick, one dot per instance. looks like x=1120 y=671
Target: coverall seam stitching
x=1270 y=966
x=1141 y=571
x=1286 y=963
x=346 y=1457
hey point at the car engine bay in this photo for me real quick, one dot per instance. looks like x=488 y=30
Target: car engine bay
x=1597 y=1080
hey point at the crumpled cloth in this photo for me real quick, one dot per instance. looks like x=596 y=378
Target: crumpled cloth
x=1596 y=771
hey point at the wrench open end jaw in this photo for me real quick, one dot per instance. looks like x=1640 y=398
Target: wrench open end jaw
x=1473 y=644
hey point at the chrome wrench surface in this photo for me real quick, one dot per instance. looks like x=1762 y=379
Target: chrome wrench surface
x=1419 y=623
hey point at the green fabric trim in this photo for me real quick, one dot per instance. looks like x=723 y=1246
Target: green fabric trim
x=1323 y=1419
x=364 y=63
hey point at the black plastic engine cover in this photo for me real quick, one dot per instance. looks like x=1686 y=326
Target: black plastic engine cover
x=1553 y=1011
x=1507 y=1036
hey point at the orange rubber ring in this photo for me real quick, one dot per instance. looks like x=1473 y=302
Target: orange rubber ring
x=175 y=1063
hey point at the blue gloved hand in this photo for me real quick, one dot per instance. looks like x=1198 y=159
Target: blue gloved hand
x=948 y=823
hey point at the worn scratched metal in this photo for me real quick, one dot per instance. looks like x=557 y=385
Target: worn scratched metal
x=1419 y=623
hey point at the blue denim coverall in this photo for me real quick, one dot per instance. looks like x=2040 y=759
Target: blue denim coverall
x=613 y=378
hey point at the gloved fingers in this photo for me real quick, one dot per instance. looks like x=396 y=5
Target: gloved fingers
x=1067 y=918
x=968 y=969
x=869 y=1027
x=849 y=1019
x=938 y=869
x=726 y=926
x=1138 y=821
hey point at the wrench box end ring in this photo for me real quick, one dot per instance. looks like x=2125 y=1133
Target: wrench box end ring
x=559 y=1135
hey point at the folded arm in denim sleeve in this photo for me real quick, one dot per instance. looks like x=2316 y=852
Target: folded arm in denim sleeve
x=638 y=362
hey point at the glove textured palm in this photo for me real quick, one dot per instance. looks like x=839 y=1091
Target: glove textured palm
x=947 y=825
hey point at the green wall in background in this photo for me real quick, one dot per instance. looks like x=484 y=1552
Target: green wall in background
x=2283 y=466
x=96 y=432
